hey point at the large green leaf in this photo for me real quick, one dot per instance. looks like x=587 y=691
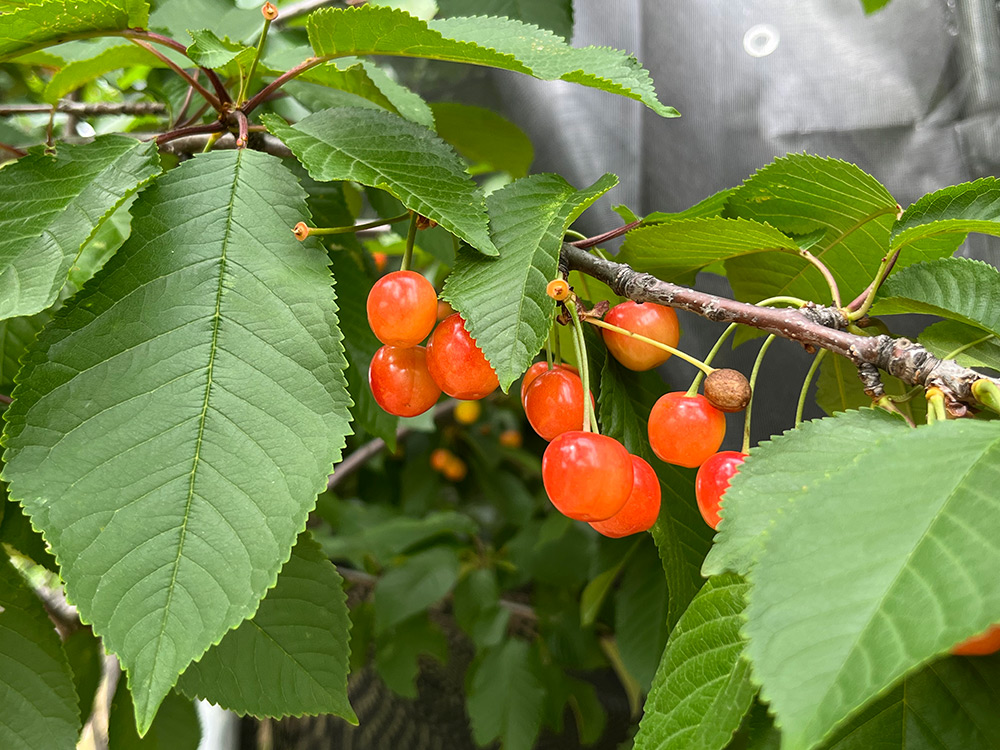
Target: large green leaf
x=678 y=249
x=505 y=696
x=554 y=15
x=15 y=335
x=414 y=585
x=53 y=204
x=851 y=211
x=77 y=73
x=382 y=150
x=702 y=687
x=176 y=726
x=292 y=657
x=38 y=706
x=32 y=27
x=641 y=614
x=487 y=140
x=185 y=409
x=882 y=570
x=955 y=288
x=958 y=210
x=503 y=300
x=774 y=477
x=946 y=336
x=494 y=42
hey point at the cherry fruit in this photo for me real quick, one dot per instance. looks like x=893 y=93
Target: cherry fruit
x=457 y=364
x=987 y=642
x=401 y=382
x=711 y=483
x=553 y=403
x=537 y=369
x=648 y=319
x=685 y=430
x=588 y=477
x=402 y=308
x=642 y=507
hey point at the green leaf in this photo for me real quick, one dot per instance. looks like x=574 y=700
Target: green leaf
x=493 y=42
x=86 y=660
x=38 y=706
x=382 y=150
x=414 y=585
x=382 y=541
x=641 y=614
x=360 y=345
x=702 y=688
x=15 y=336
x=185 y=408
x=292 y=657
x=677 y=250
x=176 y=726
x=503 y=300
x=955 y=288
x=75 y=74
x=945 y=337
x=554 y=15
x=871 y=6
x=397 y=652
x=489 y=141
x=958 y=209
x=713 y=205
x=624 y=404
x=17 y=534
x=773 y=477
x=209 y=51
x=476 y=605
x=505 y=695
x=32 y=27
x=53 y=205
x=598 y=588
x=891 y=583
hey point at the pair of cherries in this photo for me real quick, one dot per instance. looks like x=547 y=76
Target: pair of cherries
x=407 y=379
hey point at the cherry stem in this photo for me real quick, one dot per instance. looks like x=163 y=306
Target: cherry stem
x=548 y=348
x=987 y=393
x=860 y=305
x=212 y=138
x=830 y=281
x=192 y=82
x=707 y=369
x=805 y=385
x=753 y=384
x=358 y=227
x=609 y=235
x=954 y=353
x=411 y=236
x=589 y=421
x=242 y=129
x=256 y=59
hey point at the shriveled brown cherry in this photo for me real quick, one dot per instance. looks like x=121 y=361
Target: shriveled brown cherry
x=685 y=430
x=648 y=319
x=712 y=481
x=553 y=403
x=457 y=365
x=402 y=308
x=642 y=507
x=400 y=381
x=588 y=477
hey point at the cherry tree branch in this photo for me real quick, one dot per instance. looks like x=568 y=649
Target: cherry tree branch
x=813 y=326
x=85 y=109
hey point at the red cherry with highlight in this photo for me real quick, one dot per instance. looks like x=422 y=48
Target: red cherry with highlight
x=457 y=365
x=987 y=642
x=588 y=477
x=400 y=381
x=648 y=319
x=642 y=507
x=553 y=403
x=685 y=430
x=712 y=481
x=402 y=308
x=537 y=369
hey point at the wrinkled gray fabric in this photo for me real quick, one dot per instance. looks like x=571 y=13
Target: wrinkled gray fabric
x=911 y=94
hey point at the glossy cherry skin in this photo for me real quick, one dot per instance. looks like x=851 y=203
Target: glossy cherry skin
x=400 y=381
x=711 y=483
x=402 y=308
x=648 y=319
x=553 y=403
x=457 y=364
x=588 y=477
x=537 y=369
x=642 y=507
x=983 y=644
x=685 y=430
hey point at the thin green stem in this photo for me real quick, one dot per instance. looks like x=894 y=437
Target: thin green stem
x=653 y=342
x=830 y=281
x=859 y=307
x=256 y=59
x=936 y=411
x=964 y=347
x=212 y=138
x=556 y=345
x=805 y=385
x=753 y=386
x=411 y=236
x=549 y=346
x=574 y=233
x=358 y=227
x=696 y=383
x=581 y=355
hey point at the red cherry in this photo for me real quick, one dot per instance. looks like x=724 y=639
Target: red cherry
x=711 y=483
x=647 y=319
x=587 y=476
x=400 y=381
x=642 y=507
x=685 y=430
x=553 y=403
x=987 y=642
x=402 y=308
x=537 y=369
x=457 y=364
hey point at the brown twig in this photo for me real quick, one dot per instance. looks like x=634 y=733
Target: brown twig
x=13 y=150
x=192 y=82
x=812 y=325
x=243 y=129
x=195 y=144
x=85 y=109
x=166 y=41
x=280 y=81
x=610 y=235
x=868 y=294
x=211 y=127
